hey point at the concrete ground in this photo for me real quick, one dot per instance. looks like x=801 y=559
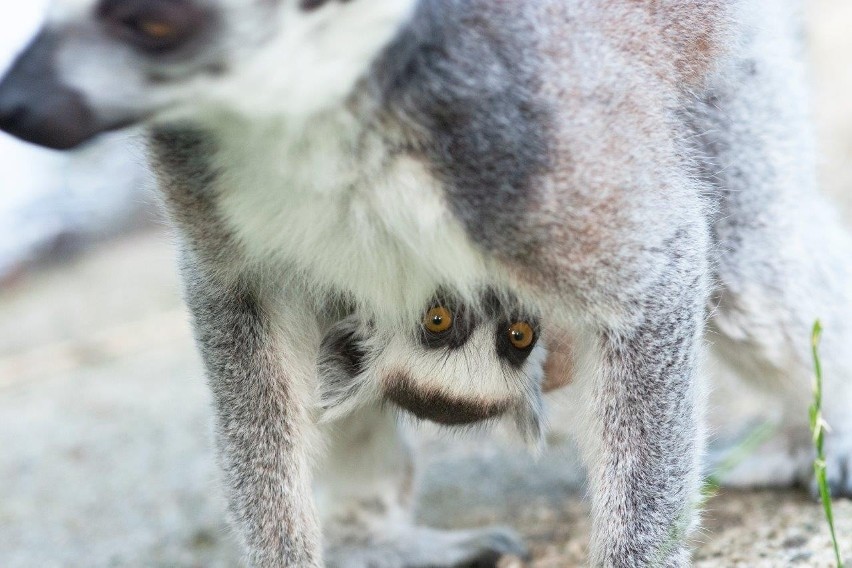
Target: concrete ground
x=105 y=453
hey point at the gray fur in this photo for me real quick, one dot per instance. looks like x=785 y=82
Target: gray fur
x=621 y=167
x=649 y=462
x=261 y=431
x=466 y=74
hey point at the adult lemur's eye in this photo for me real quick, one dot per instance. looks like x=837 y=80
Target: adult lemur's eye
x=438 y=320
x=157 y=30
x=156 y=26
x=521 y=335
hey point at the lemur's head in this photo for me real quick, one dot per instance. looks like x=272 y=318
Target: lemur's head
x=457 y=367
x=100 y=65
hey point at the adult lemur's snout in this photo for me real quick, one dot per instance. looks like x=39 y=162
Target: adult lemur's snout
x=35 y=106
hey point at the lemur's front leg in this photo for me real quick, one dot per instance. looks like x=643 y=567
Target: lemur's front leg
x=637 y=388
x=258 y=376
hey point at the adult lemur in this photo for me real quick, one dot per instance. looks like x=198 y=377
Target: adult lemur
x=634 y=172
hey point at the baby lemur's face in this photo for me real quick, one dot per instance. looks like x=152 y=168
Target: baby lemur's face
x=456 y=367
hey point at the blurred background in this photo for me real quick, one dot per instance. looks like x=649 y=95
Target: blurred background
x=105 y=448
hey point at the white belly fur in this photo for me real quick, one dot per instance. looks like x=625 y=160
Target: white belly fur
x=347 y=218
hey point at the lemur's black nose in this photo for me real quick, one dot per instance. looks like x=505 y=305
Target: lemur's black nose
x=37 y=108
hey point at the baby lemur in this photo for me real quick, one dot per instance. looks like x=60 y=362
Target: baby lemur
x=459 y=366
x=638 y=173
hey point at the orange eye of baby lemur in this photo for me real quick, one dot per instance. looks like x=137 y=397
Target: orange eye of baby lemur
x=438 y=320
x=521 y=335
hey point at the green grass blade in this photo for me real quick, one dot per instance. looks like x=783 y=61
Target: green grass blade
x=818 y=429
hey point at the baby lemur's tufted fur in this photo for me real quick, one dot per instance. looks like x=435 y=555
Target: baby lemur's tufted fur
x=634 y=173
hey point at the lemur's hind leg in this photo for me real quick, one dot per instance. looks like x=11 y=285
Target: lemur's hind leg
x=786 y=259
x=764 y=323
x=764 y=318
x=365 y=492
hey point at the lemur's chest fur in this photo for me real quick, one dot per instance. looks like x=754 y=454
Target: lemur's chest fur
x=335 y=207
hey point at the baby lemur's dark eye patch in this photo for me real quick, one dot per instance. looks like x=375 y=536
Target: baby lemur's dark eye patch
x=446 y=326
x=516 y=340
x=153 y=26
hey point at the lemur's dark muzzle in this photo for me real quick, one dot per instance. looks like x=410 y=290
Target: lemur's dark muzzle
x=36 y=107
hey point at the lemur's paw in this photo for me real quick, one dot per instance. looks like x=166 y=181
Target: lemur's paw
x=487 y=547
x=422 y=547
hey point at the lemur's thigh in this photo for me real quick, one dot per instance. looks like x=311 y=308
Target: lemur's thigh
x=365 y=490
x=785 y=256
